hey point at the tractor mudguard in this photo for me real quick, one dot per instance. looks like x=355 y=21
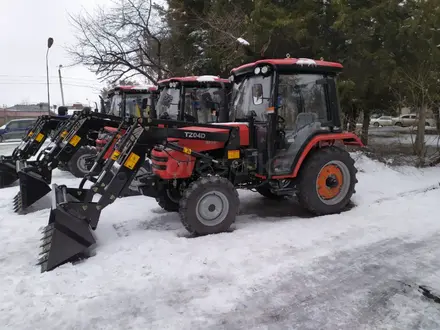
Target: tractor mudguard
x=69 y=234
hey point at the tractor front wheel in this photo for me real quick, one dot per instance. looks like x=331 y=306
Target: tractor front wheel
x=79 y=164
x=327 y=181
x=209 y=206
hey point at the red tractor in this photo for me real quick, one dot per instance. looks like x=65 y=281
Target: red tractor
x=284 y=138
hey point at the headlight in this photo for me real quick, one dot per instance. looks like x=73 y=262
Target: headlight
x=265 y=70
x=257 y=70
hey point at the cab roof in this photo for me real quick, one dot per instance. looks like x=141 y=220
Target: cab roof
x=136 y=88
x=194 y=79
x=291 y=64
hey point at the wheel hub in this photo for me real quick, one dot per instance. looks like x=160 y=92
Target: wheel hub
x=212 y=208
x=84 y=163
x=330 y=181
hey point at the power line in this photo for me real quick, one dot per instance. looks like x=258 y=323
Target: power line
x=35 y=76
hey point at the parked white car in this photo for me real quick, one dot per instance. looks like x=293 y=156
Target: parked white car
x=411 y=120
x=382 y=121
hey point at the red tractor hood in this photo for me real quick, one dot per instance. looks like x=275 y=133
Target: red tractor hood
x=205 y=145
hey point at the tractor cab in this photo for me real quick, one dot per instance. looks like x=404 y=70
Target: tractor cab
x=201 y=99
x=126 y=102
x=132 y=101
x=289 y=103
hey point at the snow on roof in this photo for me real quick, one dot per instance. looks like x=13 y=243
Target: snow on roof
x=243 y=41
x=204 y=78
x=291 y=62
x=137 y=87
x=207 y=78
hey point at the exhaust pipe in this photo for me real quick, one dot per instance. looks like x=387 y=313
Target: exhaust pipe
x=69 y=236
x=33 y=187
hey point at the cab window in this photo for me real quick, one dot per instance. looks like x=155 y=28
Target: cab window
x=301 y=93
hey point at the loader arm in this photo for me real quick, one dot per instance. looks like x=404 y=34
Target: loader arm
x=29 y=146
x=34 y=180
x=75 y=212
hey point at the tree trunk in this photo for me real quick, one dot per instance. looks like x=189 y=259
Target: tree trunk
x=365 y=126
x=352 y=118
x=437 y=117
x=419 y=145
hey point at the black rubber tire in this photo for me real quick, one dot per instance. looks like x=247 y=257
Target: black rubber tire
x=191 y=196
x=307 y=192
x=73 y=163
x=399 y=124
x=376 y=124
x=264 y=190
x=167 y=203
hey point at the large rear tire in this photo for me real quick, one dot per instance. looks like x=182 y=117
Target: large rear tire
x=77 y=165
x=209 y=206
x=327 y=181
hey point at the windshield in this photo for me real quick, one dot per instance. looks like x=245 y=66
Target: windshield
x=168 y=103
x=251 y=94
x=300 y=93
x=201 y=103
x=133 y=103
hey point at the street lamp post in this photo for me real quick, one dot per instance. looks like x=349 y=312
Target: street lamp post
x=49 y=44
x=61 y=83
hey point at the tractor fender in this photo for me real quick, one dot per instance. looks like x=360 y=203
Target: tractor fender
x=347 y=138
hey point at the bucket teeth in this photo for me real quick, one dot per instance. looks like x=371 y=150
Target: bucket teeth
x=18 y=205
x=65 y=239
x=43 y=259
x=45 y=249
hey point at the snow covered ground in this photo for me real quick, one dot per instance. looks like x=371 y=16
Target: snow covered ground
x=278 y=269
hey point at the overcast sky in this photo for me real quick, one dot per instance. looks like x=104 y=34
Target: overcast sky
x=25 y=26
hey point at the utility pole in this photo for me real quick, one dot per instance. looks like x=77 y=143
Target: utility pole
x=61 y=83
x=49 y=44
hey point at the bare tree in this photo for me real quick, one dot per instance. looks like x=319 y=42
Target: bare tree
x=419 y=86
x=122 y=41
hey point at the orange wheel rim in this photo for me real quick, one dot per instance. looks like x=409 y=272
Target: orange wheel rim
x=329 y=182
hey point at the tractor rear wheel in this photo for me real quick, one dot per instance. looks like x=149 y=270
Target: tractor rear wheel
x=327 y=181
x=209 y=206
x=78 y=165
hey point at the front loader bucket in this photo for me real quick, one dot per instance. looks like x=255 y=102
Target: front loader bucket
x=32 y=188
x=8 y=173
x=68 y=235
